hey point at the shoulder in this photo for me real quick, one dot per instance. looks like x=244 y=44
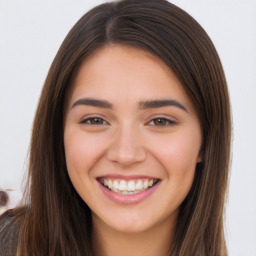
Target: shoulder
x=8 y=233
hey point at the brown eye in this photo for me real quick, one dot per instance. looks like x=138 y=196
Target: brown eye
x=94 y=121
x=161 y=122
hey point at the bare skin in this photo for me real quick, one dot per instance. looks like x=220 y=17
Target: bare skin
x=148 y=243
x=130 y=121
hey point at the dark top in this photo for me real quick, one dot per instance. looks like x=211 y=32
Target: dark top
x=8 y=235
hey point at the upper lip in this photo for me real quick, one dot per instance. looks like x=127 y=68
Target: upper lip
x=126 y=177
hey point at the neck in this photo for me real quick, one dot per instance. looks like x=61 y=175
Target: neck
x=154 y=241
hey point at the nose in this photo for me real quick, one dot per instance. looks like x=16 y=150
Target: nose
x=126 y=147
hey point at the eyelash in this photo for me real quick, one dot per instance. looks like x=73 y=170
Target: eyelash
x=100 y=121
x=165 y=122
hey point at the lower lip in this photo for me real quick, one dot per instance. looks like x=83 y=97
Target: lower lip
x=129 y=199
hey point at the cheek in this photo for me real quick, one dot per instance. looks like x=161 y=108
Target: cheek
x=179 y=157
x=81 y=151
x=179 y=151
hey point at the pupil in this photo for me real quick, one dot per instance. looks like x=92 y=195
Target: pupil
x=96 y=121
x=160 y=121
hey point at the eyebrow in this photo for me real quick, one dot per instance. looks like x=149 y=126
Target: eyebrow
x=93 y=102
x=142 y=105
x=161 y=103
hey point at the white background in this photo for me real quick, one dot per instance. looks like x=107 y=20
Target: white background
x=31 y=32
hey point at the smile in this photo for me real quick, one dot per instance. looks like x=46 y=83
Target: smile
x=128 y=187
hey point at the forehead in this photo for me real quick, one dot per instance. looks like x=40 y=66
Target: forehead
x=126 y=73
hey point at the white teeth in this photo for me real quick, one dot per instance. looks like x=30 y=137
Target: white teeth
x=131 y=185
x=123 y=185
x=109 y=184
x=105 y=182
x=128 y=187
x=145 y=184
x=139 y=185
x=115 y=184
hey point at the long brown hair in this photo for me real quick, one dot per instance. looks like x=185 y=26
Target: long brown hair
x=56 y=221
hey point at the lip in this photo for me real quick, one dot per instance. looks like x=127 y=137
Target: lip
x=130 y=177
x=128 y=199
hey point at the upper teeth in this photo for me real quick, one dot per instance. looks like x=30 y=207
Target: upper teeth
x=127 y=187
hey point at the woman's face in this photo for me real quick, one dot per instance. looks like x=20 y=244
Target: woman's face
x=132 y=139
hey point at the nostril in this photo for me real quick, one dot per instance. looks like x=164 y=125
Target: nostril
x=126 y=146
x=126 y=153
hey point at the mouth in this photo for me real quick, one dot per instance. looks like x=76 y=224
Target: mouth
x=128 y=187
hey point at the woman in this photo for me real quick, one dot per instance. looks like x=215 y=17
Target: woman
x=131 y=141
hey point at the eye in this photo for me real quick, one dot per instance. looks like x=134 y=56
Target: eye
x=160 y=121
x=94 y=121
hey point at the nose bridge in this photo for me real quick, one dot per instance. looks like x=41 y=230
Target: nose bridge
x=127 y=147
